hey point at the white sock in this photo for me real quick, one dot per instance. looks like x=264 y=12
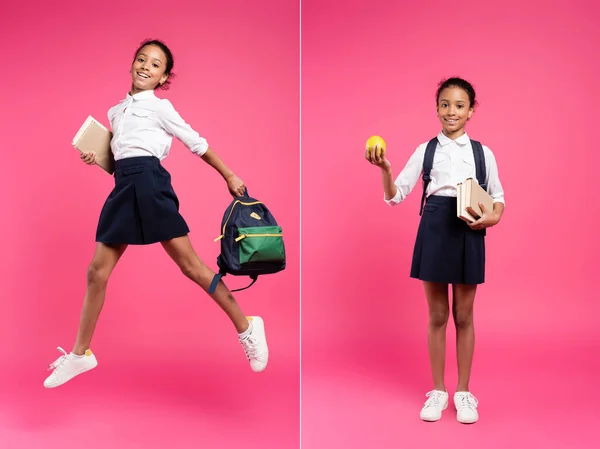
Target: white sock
x=75 y=356
x=247 y=332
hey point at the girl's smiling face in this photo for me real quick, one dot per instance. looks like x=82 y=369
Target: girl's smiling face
x=148 y=69
x=453 y=110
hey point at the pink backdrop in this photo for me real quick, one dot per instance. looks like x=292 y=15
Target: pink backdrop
x=373 y=68
x=171 y=372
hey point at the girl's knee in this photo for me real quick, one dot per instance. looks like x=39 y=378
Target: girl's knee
x=438 y=317
x=188 y=270
x=97 y=274
x=463 y=319
x=193 y=269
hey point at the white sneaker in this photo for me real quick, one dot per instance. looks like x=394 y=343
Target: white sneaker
x=67 y=366
x=435 y=405
x=255 y=345
x=466 y=407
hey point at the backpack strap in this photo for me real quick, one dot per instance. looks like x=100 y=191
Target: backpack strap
x=215 y=282
x=480 y=169
x=427 y=166
x=217 y=277
x=254 y=278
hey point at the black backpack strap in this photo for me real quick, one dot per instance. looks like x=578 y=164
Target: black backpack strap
x=254 y=278
x=215 y=282
x=217 y=277
x=427 y=166
x=480 y=168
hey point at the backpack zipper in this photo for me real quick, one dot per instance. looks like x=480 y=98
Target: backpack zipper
x=231 y=212
x=243 y=236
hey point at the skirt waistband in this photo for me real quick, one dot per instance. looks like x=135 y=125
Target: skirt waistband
x=137 y=161
x=441 y=200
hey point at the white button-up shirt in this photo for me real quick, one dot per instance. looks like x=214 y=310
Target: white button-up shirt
x=144 y=125
x=453 y=162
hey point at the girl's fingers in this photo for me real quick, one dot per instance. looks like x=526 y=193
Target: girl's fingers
x=377 y=153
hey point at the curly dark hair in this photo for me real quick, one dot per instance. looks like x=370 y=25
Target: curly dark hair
x=461 y=84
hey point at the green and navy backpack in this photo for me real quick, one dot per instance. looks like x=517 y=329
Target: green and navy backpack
x=251 y=242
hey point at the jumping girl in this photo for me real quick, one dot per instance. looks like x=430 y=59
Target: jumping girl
x=143 y=208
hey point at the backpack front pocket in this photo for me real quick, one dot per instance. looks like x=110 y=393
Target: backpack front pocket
x=261 y=244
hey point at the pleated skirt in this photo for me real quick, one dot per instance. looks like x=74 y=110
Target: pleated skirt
x=447 y=250
x=142 y=208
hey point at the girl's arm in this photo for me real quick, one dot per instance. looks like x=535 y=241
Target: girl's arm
x=174 y=124
x=494 y=187
x=396 y=191
x=211 y=158
x=235 y=184
x=389 y=187
x=491 y=217
x=498 y=211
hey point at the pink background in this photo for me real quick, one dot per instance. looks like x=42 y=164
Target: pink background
x=373 y=68
x=171 y=371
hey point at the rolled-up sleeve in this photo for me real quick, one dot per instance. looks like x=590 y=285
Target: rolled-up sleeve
x=494 y=187
x=408 y=177
x=174 y=124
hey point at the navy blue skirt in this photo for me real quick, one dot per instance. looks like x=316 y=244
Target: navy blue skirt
x=447 y=250
x=143 y=207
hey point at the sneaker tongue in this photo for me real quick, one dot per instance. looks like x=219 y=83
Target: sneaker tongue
x=465 y=400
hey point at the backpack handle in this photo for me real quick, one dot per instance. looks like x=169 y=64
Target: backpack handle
x=253 y=277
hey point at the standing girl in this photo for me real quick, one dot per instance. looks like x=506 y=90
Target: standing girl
x=143 y=208
x=448 y=250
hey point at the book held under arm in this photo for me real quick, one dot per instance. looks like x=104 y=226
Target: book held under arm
x=469 y=195
x=94 y=136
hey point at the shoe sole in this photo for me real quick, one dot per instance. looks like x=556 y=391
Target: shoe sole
x=264 y=336
x=463 y=421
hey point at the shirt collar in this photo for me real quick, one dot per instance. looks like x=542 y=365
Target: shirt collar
x=445 y=140
x=140 y=95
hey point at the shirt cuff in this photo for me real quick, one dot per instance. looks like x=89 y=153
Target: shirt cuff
x=201 y=147
x=499 y=199
x=395 y=200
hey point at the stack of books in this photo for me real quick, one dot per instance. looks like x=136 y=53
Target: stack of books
x=469 y=195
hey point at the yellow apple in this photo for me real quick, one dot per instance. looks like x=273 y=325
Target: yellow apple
x=377 y=144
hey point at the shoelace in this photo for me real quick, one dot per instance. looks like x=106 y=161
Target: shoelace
x=249 y=345
x=435 y=398
x=466 y=401
x=59 y=361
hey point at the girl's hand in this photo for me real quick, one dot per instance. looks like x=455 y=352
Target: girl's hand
x=376 y=157
x=488 y=219
x=89 y=158
x=235 y=185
